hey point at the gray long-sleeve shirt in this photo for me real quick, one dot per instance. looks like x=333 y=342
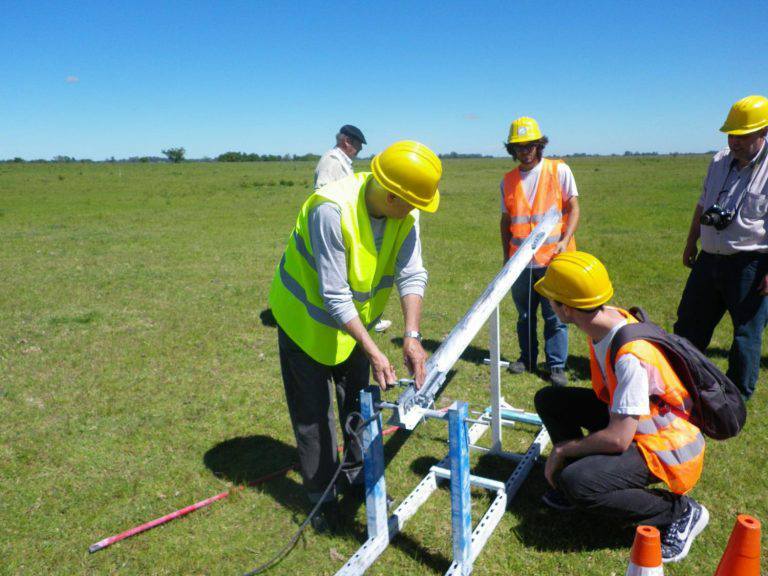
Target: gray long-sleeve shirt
x=331 y=262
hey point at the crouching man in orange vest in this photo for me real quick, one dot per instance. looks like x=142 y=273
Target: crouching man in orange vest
x=637 y=415
x=535 y=187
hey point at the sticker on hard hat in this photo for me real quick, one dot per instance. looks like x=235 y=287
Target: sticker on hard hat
x=522 y=131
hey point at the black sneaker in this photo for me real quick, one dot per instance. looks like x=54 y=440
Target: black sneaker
x=557 y=500
x=326 y=519
x=558 y=377
x=518 y=367
x=676 y=539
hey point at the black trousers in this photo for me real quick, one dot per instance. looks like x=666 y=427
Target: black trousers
x=612 y=485
x=308 y=393
x=727 y=283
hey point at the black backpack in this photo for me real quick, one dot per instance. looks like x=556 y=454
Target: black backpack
x=718 y=408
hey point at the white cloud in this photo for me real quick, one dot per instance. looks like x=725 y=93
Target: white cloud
x=72 y=80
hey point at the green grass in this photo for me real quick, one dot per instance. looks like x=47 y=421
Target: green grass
x=136 y=364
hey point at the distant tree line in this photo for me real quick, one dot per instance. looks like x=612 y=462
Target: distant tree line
x=178 y=155
x=458 y=155
x=245 y=157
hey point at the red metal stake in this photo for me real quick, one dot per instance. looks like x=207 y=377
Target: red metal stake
x=101 y=544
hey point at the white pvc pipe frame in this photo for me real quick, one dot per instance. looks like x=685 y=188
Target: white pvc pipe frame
x=413 y=406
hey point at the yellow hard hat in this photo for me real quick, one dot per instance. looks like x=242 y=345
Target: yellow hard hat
x=746 y=116
x=577 y=279
x=410 y=171
x=523 y=129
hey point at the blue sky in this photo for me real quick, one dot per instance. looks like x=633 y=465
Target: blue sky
x=96 y=79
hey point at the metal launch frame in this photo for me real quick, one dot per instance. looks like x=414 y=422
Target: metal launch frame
x=414 y=405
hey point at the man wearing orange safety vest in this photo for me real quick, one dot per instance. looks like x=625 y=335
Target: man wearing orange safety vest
x=637 y=415
x=535 y=187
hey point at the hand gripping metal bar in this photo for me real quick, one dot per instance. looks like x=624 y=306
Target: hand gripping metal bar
x=412 y=401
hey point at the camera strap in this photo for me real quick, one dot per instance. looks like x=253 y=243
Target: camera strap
x=753 y=175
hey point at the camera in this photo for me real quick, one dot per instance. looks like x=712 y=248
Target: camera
x=716 y=216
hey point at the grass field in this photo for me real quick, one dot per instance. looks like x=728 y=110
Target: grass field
x=139 y=373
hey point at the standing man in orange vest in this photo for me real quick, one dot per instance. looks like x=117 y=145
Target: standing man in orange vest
x=637 y=415
x=536 y=186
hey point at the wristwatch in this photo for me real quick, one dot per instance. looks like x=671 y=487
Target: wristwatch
x=412 y=334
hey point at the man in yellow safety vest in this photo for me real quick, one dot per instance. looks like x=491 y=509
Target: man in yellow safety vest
x=354 y=239
x=536 y=186
x=637 y=415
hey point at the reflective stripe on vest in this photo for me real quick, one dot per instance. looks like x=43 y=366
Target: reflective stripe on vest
x=302 y=248
x=295 y=293
x=316 y=313
x=519 y=241
x=673 y=448
x=523 y=217
x=536 y=218
x=385 y=282
x=654 y=423
x=682 y=454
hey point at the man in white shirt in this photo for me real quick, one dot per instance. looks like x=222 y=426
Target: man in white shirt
x=637 y=416
x=336 y=163
x=731 y=271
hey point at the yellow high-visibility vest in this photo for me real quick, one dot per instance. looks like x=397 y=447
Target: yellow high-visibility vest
x=295 y=295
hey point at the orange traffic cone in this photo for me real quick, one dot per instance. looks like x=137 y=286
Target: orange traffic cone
x=742 y=555
x=645 y=558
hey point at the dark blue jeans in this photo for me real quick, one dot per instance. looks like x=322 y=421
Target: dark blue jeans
x=527 y=300
x=727 y=283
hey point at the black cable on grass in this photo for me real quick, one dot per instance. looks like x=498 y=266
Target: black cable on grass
x=285 y=550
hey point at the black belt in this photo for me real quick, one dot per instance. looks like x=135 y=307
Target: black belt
x=745 y=255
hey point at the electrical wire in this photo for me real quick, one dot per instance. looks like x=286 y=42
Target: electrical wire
x=285 y=550
x=530 y=322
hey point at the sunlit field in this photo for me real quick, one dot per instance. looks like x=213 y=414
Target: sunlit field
x=139 y=369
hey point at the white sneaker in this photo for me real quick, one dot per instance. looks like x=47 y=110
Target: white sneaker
x=382 y=325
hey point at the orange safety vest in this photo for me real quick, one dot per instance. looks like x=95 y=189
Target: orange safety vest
x=523 y=217
x=672 y=446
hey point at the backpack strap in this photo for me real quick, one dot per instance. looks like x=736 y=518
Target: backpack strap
x=639 y=313
x=642 y=330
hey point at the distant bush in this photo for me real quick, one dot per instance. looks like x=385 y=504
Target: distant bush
x=175 y=155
